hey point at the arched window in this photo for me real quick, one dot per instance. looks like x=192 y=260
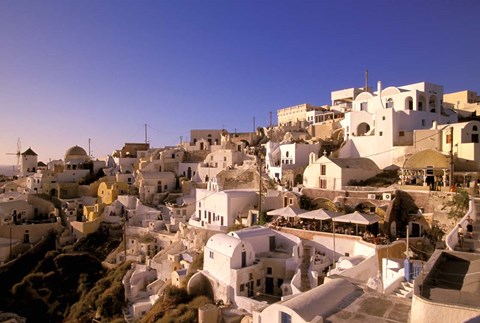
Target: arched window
x=474 y=128
x=389 y=104
x=432 y=103
x=286 y=154
x=363 y=128
x=421 y=103
x=409 y=103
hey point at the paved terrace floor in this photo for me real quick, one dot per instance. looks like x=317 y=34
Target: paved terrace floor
x=456 y=279
x=372 y=307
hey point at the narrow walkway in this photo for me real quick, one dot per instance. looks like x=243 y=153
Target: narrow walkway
x=304 y=269
x=472 y=244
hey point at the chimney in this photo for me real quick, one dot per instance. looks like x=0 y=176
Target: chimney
x=379 y=87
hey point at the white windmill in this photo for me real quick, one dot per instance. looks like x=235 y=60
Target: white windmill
x=18 y=153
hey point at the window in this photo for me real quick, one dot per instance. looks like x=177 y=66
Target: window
x=474 y=128
x=449 y=138
x=258 y=282
x=389 y=104
x=401 y=133
x=423 y=122
x=323 y=183
x=380 y=133
x=323 y=169
x=211 y=254
x=285 y=317
x=242 y=287
x=383 y=118
x=250 y=276
x=363 y=106
x=269 y=270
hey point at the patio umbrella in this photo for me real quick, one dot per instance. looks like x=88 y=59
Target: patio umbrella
x=357 y=218
x=287 y=211
x=319 y=214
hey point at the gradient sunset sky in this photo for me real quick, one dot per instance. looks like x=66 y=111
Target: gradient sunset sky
x=73 y=70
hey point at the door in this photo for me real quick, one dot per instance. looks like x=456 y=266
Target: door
x=250 y=288
x=269 y=285
x=244 y=259
x=271 y=241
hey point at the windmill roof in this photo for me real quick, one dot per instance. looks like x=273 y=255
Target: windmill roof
x=29 y=152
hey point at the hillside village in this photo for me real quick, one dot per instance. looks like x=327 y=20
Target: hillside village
x=349 y=210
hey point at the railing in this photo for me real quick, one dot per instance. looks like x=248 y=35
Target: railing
x=452 y=238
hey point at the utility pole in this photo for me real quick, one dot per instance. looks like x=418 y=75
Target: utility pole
x=125 y=234
x=146 y=139
x=254 y=124
x=260 y=155
x=89 y=152
x=366 y=80
x=452 y=183
x=10 y=257
x=270 y=119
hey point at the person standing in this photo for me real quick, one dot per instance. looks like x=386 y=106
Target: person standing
x=461 y=234
x=469 y=227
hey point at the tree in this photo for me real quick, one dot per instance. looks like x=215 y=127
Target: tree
x=458 y=205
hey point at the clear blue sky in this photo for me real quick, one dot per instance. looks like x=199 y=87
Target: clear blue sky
x=73 y=70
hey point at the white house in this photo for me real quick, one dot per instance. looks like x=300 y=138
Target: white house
x=245 y=263
x=333 y=173
x=217 y=161
x=380 y=125
x=218 y=210
x=283 y=156
x=36 y=181
x=152 y=185
x=15 y=212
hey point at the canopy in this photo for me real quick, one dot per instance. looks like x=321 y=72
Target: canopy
x=357 y=218
x=287 y=211
x=319 y=214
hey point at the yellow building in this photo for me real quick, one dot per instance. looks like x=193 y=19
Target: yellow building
x=465 y=103
x=292 y=115
x=109 y=192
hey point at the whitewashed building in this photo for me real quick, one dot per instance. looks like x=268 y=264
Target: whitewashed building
x=252 y=261
x=333 y=173
x=283 y=156
x=218 y=210
x=380 y=125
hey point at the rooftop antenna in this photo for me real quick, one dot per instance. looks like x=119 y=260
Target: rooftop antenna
x=89 y=152
x=366 y=80
x=18 y=153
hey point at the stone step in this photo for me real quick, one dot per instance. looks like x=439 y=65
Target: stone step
x=405 y=290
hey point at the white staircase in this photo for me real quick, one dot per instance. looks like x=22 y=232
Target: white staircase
x=405 y=290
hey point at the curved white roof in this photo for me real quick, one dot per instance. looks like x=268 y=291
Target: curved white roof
x=251 y=232
x=223 y=243
x=329 y=295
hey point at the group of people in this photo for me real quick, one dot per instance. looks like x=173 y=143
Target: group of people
x=461 y=232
